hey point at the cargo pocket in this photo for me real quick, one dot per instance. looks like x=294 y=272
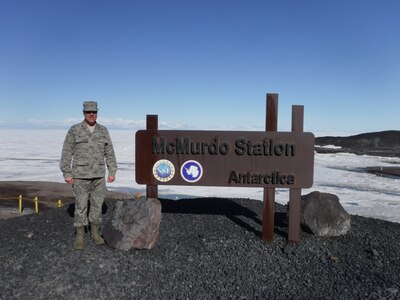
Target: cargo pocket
x=102 y=143
x=99 y=169
x=82 y=168
x=82 y=145
x=81 y=139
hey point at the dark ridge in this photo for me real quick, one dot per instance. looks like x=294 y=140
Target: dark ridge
x=383 y=139
x=384 y=143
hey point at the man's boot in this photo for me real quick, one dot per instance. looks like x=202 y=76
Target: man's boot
x=79 y=243
x=94 y=230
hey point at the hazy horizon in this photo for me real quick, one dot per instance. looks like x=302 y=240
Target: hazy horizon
x=166 y=127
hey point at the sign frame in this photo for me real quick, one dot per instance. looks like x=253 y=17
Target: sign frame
x=147 y=170
x=227 y=158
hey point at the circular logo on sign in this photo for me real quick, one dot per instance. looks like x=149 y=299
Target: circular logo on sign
x=163 y=170
x=191 y=171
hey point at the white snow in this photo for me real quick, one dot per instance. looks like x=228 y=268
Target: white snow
x=35 y=155
x=330 y=146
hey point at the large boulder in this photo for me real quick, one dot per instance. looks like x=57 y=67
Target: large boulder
x=323 y=214
x=132 y=224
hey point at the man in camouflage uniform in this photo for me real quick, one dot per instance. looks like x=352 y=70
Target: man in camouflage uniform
x=87 y=149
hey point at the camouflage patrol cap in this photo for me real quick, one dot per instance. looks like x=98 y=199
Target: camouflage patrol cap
x=90 y=106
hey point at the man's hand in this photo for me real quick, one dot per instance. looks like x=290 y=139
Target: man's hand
x=110 y=178
x=69 y=180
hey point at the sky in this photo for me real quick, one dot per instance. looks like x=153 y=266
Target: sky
x=201 y=64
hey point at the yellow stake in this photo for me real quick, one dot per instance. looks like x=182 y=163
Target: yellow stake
x=20 y=203
x=137 y=196
x=36 y=200
x=59 y=203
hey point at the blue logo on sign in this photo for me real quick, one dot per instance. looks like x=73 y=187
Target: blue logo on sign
x=163 y=170
x=191 y=171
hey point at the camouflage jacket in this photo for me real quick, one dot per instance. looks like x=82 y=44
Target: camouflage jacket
x=85 y=154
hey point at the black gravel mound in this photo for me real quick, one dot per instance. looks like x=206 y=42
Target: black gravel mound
x=208 y=248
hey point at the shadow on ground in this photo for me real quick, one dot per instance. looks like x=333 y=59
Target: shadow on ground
x=240 y=215
x=224 y=207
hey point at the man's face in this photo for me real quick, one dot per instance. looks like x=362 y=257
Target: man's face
x=90 y=117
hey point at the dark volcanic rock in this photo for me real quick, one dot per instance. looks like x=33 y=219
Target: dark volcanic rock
x=323 y=214
x=132 y=224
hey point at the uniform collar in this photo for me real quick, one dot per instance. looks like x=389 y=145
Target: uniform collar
x=86 y=128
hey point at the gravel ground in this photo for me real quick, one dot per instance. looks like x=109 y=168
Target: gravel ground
x=208 y=248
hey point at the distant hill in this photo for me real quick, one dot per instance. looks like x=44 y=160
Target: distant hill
x=384 y=143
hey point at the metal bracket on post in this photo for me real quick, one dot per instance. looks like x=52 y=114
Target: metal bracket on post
x=152 y=125
x=271 y=124
x=295 y=194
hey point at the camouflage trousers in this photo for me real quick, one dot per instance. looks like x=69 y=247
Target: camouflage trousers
x=86 y=190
